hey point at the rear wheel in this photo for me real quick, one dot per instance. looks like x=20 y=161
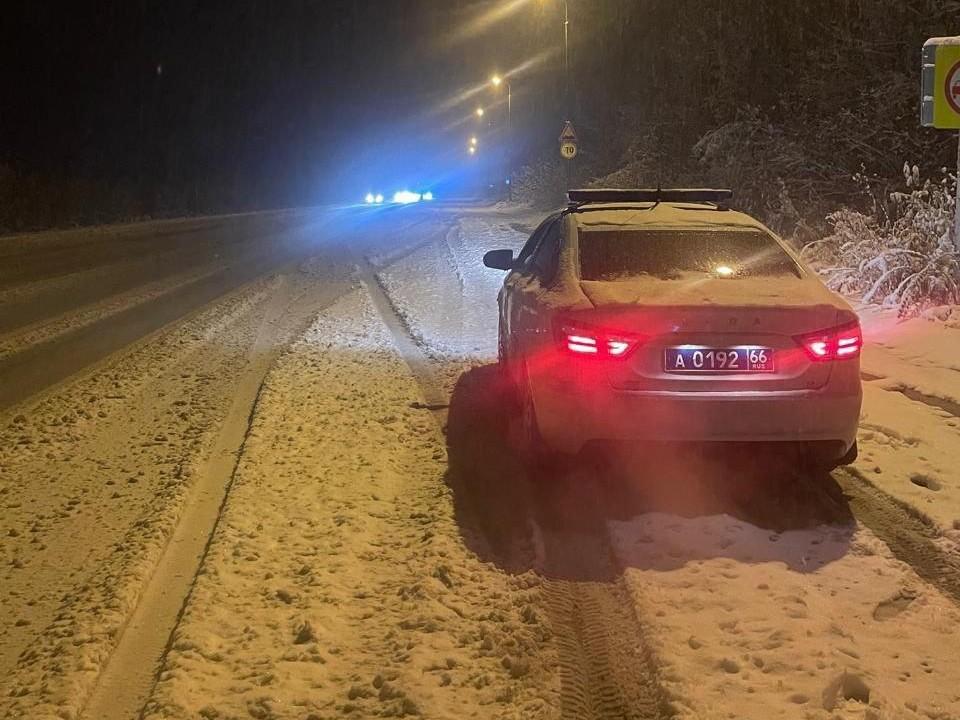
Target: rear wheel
x=509 y=395
x=539 y=459
x=850 y=457
x=824 y=456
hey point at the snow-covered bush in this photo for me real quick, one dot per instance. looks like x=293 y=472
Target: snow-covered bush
x=768 y=168
x=542 y=184
x=900 y=255
x=644 y=163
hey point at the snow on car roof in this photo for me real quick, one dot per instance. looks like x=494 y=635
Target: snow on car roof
x=694 y=289
x=662 y=215
x=570 y=292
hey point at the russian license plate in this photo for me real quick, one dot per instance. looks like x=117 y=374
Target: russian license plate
x=743 y=359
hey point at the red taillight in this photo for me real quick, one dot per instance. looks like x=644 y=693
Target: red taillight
x=839 y=343
x=582 y=344
x=594 y=342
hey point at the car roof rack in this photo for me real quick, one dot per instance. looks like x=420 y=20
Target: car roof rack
x=588 y=196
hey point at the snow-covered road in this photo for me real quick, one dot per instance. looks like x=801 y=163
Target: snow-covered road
x=301 y=501
x=115 y=475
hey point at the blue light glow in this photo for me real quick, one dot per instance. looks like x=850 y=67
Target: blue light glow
x=427 y=195
x=405 y=197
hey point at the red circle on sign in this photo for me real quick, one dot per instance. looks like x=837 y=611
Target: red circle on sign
x=952 y=86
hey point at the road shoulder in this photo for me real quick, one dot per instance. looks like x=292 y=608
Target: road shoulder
x=336 y=581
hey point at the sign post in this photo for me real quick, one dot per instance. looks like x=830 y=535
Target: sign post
x=569 y=148
x=940 y=99
x=569 y=144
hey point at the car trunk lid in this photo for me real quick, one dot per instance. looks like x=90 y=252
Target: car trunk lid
x=739 y=316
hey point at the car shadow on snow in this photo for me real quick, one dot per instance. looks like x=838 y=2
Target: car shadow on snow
x=655 y=508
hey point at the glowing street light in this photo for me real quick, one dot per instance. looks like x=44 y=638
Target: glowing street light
x=473 y=140
x=479 y=112
x=496 y=80
x=472 y=150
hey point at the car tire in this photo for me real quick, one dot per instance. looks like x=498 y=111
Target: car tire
x=540 y=460
x=850 y=457
x=816 y=459
x=507 y=385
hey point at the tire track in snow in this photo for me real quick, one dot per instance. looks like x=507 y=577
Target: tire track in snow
x=125 y=683
x=911 y=393
x=606 y=670
x=910 y=536
x=407 y=343
x=54 y=672
x=932 y=401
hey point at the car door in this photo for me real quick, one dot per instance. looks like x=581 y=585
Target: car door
x=514 y=279
x=533 y=271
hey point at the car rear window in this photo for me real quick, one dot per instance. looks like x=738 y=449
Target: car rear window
x=669 y=254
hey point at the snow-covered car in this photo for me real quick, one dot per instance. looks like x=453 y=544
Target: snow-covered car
x=663 y=315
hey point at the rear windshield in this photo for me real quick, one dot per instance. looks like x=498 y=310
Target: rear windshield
x=672 y=254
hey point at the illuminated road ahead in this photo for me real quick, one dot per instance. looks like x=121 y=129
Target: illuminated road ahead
x=68 y=300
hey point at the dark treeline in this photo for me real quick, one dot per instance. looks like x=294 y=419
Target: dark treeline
x=784 y=101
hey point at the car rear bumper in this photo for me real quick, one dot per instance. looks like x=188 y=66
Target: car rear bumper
x=568 y=420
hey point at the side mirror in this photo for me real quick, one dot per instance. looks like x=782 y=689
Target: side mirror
x=499 y=259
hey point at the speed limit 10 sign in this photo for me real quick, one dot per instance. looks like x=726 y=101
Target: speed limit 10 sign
x=940 y=83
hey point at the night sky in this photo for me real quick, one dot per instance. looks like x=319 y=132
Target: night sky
x=122 y=109
x=273 y=103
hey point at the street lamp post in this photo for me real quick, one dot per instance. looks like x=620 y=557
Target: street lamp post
x=566 y=39
x=497 y=81
x=566 y=56
x=566 y=53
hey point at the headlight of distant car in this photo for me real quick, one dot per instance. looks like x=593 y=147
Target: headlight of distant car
x=372 y=199
x=405 y=197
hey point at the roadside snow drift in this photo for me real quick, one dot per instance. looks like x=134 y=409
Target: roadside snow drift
x=336 y=583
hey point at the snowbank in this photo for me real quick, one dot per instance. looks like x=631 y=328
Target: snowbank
x=336 y=582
